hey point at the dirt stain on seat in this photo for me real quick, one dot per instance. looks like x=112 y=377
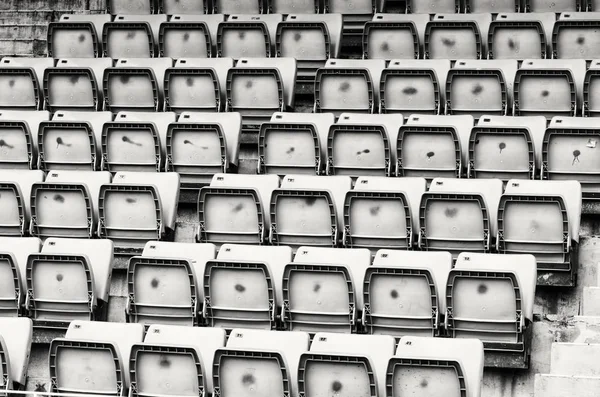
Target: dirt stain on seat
x=512 y=44
x=501 y=146
x=249 y=84
x=59 y=198
x=130 y=200
x=581 y=40
x=59 y=142
x=336 y=386
x=74 y=79
x=345 y=86
x=237 y=208
x=290 y=150
x=297 y=37
x=131 y=35
x=409 y=91
x=248 y=380
x=189 y=82
x=81 y=38
x=576 y=154
x=448 y=42
x=477 y=89
x=59 y=277
x=186 y=37
x=430 y=155
x=164 y=362
x=424 y=383
x=316 y=287
x=394 y=294
x=127 y=140
x=451 y=212
x=482 y=289
x=365 y=151
x=385 y=47
x=11 y=83
x=124 y=78
x=240 y=288
x=310 y=201
x=242 y=35
x=154 y=283
x=545 y=93
x=374 y=210
x=6 y=145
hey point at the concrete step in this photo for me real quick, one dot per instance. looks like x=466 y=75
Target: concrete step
x=562 y=386
x=580 y=329
x=24 y=32
x=575 y=359
x=55 y=5
x=590 y=305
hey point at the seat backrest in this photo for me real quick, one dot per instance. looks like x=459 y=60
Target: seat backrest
x=521 y=36
x=457 y=36
x=20 y=248
x=17 y=334
x=298 y=22
x=264 y=184
x=77 y=35
x=22 y=82
x=19 y=130
x=574 y=34
x=394 y=36
x=24 y=179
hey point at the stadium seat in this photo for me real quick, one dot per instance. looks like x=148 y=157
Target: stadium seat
x=394 y=36
x=535 y=6
x=135 y=85
x=134 y=7
x=483 y=6
x=200 y=145
x=542 y=218
x=348 y=85
x=294 y=143
x=153 y=195
x=266 y=362
x=69 y=280
x=521 y=36
x=189 y=351
x=179 y=7
x=404 y=293
x=136 y=141
x=459 y=215
x=247 y=36
x=164 y=284
x=590 y=5
x=15 y=205
x=506 y=147
x=71 y=141
x=591 y=89
x=569 y=152
x=189 y=36
x=132 y=36
x=575 y=36
x=363 y=145
x=478 y=87
x=355 y=364
x=75 y=84
x=77 y=36
x=197 y=85
x=436 y=367
x=21 y=82
x=457 y=36
x=243 y=287
x=18 y=129
x=250 y=7
x=93 y=358
x=382 y=213
x=14 y=252
x=434 y=146
x=234 y=209
x=414 y=86
x=258 y=87
x=504 y=288
x=15 y=345
x=323 y=289
x=424 y=7
x=549 y=87
x=307 y=210
x=311 y=39
x=66 y=204
x=293 y=6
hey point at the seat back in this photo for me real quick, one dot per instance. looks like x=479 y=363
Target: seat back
x=15 y=204
x=21 y=82
x=17 y=145
x=132 y=36
x=394 y=36
x=13 y=262
x=247 y=35
x=521 y=36
x=457 y=36
x=187 y=38
x=76 y=36
x=16 y=335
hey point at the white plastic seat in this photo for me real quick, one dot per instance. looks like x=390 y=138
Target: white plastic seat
x=307 y=210
x=211 y=21
x=294 y=143
x=200 y=145
x=414 y=86
x=549 y=87
x=482 y=6
x=15 y=203
x=394 y=36
x=348 y=85
x=243 y=286
x=575 y=36
x=75 y=84
x=178 y=7
x=138 y=207
x=337 y=362
x=234 y=208
x=197 y=85
x=15 y=344
x=447 y=367
x=459 y=215
x=591 y=90
x=541 y=218
x=68 y=281
x=66 y=204
x=164 y=284
x=106 y=345
x=535 y=6
x=311 y=39
x=250 y=7
x=506 y=147
x=135 y=84
x=569 y=152
x=136 y=141
x=323 y=289
x=457 y=36
x=363 y=144
x=77 y=36
x=258 y=87
x=189 y=352
x=420 y=7
x=521 y=36
x=478 y=87
x=188 y=36
x=132 y=36
x=71 y=141
x=14 y=252
x=503 y=287
x=265 y=361
x=434 y=146
x=21 y=82
x=18 y=129
x=404 y=293
x=247 y=35
x=127 y=7
x=382 y=212
x=293 y=6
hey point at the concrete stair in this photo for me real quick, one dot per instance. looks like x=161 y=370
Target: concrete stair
x=590 y=305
